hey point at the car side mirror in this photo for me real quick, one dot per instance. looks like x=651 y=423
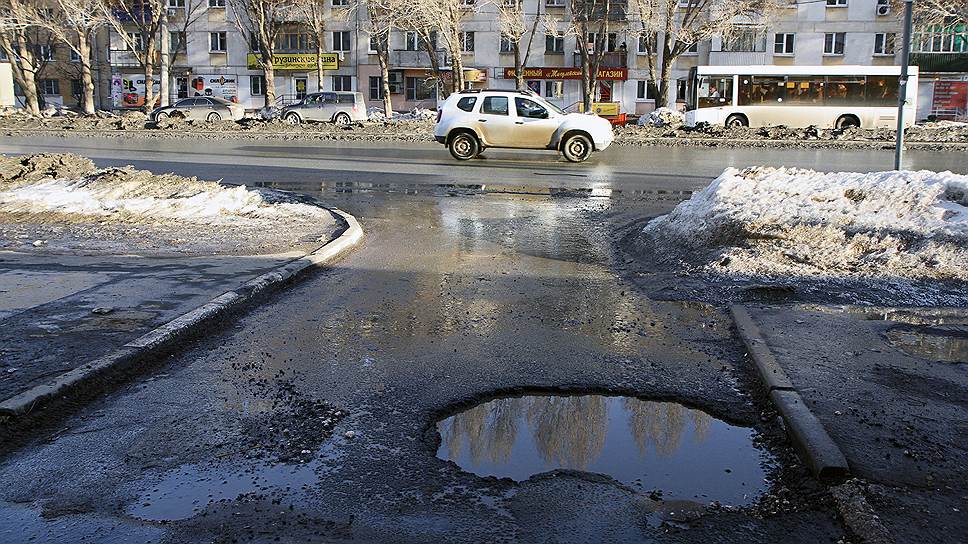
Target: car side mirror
x=543 y=115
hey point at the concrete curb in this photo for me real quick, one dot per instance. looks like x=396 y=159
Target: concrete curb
x=813 y=444
x=165 y=337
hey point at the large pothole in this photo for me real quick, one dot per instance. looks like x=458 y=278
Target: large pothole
x=660 y=447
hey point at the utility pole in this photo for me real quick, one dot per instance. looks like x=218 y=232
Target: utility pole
x=902 y=86
x=165 y=74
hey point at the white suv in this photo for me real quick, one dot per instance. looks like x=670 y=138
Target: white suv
x=470 y=121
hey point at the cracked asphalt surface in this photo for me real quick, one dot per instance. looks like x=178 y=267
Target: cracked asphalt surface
x=311 y=417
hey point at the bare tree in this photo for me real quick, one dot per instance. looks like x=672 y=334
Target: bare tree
x=669 y=28
x=14 y=26
x=445 y=19
x=313 y=14
x=262 y=21
x=588 y=17
x=940 y=13
x=382 y=18
x=74 y=24
x=514 y=27
x=146 y=17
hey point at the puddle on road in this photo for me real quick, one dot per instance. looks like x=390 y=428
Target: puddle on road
x=685 y=453
x=931 y=344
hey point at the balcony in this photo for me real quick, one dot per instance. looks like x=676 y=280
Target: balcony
x=940 y=62
x=738 y=58
x=125 y=58
x=611 y=59
x=405 y=58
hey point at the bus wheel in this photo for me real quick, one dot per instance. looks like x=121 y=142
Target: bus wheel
x=737 y=120
x=847 y=121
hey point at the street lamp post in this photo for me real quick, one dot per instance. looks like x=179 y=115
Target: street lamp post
x=902 y=87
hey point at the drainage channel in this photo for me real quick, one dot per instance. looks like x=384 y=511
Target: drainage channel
x=661 y=448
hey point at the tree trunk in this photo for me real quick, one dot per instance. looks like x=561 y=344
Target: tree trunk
x=586 y=81
x=518 y=68
x=149 y=56
x=165 y=73
x=665 y=78
x=383 y=55
x=457 y=71
x=24 y=78
x=87 y=81
x=270 y=76
x=319 y=62
x=434 y=62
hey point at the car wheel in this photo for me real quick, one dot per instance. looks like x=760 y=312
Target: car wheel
x=342 y=119
x=736 y=121
x=576 y=148
x=464 y=146
x=293 y=119
x=161 y=116
x=847 y=121
x=214 y=116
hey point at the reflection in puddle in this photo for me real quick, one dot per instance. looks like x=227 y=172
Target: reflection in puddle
x=930 y=344
x=685 y=453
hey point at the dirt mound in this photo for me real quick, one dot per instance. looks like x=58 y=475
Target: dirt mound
x=16 y=171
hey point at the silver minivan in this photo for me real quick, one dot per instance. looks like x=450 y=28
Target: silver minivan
x=340 y=108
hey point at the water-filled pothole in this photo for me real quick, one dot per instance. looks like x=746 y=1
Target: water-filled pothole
x=935 y=344
x=682 y=452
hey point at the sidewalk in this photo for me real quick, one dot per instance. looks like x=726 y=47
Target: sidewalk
x=59 y=312
x=891 y=389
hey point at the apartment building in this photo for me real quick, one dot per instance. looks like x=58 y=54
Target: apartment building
x=213 y=57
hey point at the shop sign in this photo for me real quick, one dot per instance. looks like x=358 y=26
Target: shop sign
x=222 y=86
x=302 y=62
x=128 y=91
x=950 y=99
x=616 y=74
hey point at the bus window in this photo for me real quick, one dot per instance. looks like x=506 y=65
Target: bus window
x=882 y=90
x=761 y=90
x=844 y=90
x=715 y=91
x=804 y=91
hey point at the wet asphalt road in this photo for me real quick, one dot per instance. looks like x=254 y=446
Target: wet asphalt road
x=452 y=298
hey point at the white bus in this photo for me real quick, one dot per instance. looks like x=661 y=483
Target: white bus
x=799 y=96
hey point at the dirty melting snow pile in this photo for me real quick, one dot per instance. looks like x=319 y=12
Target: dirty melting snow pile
x=130 y=195
x=793 y=222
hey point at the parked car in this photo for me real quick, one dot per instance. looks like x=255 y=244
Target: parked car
x=202 y=108
x=340 y=108
x=470 y=121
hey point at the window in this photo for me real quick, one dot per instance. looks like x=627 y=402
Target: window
x=836 y=3
x=467 y=42
x=884 y=44
x=467 y=103
x=804 y=91
x=693 y=50
x=533 y=86
x=341 y=3
x=555 y=3
x=376 y=88
x=554 y=89
x=342 y=83
x=75 y=57
x=178 y=43
x=414 y=42
x=495 y=105
x=181 y=87
x=50 y=87
x=845 y=90
x=138 y=39
x=759 y=91
x=714 y=91
x=882 y=90
x=377 y=41
x=341 y=40
x=417 y=88
x=681 y=86
x=645 y=90
x=257 y=85
x=293 y=41
x=609 y=43
x=783 y=44
x=529 y=109
x=554 y=44
x=255 y=44
x=745 y=40
x=833 y=43
x=507 y=45
x=217 y=41
x=216 y=3
x=468 y=2
x=45 y=51
x=76 y=88
x=176 y=3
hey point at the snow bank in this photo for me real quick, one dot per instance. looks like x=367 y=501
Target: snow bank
x=416 y=114
x=663 y=117
x=779 y=221
x=126 y=194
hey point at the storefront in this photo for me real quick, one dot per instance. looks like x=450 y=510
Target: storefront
x=562 y=86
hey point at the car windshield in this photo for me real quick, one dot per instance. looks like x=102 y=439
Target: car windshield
x=548 y=105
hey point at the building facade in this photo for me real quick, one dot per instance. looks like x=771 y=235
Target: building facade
x=211 y=56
